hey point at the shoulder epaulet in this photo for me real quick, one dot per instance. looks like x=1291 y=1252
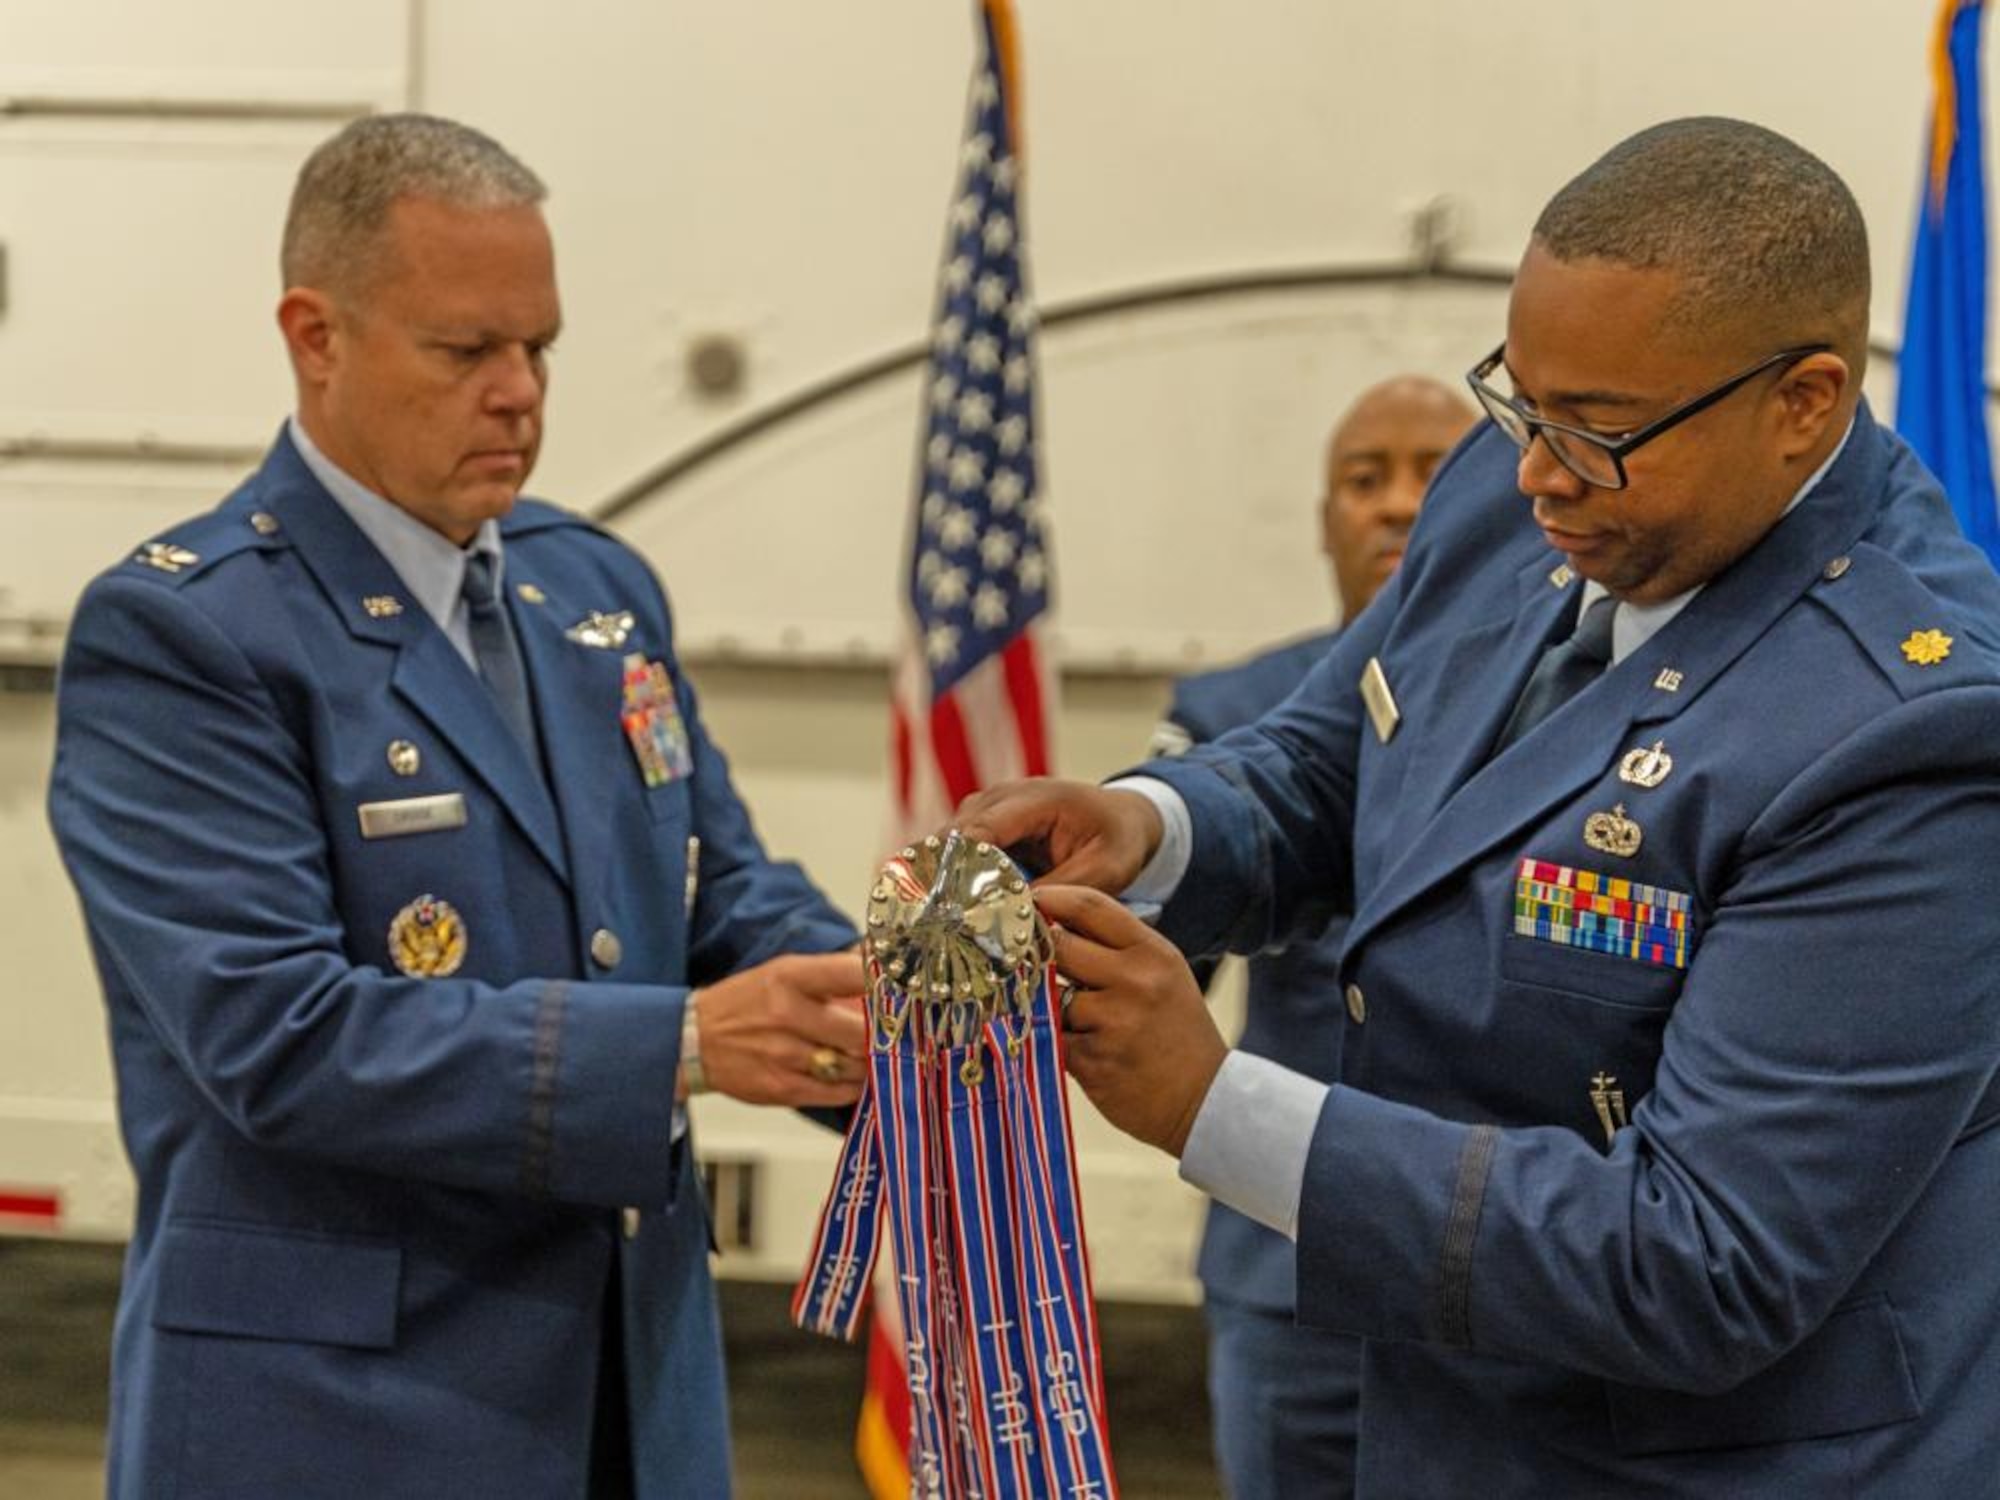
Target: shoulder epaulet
x=192 y=547
x=1920 y=642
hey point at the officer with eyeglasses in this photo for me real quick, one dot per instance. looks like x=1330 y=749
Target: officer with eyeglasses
x=1662 y=787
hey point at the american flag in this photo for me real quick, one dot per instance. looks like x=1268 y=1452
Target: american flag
x=971 y=699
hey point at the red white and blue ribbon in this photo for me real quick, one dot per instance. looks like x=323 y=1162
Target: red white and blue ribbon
x=961 y=1155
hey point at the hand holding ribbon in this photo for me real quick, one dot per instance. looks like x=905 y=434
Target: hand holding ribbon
x=1141 y=1040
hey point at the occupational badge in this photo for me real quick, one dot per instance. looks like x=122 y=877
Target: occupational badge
x=1926 y=648
x=1648 y=767
x=961 y=1159
x=653 y=724
x=427 y=938
x=1609 y=1101
x=605 y=632
x=1613 y=833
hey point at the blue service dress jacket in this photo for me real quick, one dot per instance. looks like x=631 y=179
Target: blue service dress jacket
x=382 y=1147
x=1294 y=1013
x=1662 y=1161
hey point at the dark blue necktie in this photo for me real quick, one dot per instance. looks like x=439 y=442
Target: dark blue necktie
x=1566 y=669
x=498 y=653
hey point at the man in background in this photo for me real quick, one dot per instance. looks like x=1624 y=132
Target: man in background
x=1285 y=1399
x=420 y=897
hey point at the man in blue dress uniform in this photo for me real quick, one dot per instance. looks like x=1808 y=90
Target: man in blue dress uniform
x=1285 y=1400
x=420 y=897
x=1661 y=785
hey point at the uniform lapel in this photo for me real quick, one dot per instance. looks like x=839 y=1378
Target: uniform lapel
x=428 y=673
x=1487 y=804
x=578 y=694
x=1483 y=674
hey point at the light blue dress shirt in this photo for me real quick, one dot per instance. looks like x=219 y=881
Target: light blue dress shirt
x=431 y=565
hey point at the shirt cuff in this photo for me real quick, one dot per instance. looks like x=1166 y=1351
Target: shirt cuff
x=1251 y=1137
x=1168 y=867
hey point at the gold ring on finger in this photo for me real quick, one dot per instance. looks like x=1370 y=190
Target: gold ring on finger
x=825 y=1065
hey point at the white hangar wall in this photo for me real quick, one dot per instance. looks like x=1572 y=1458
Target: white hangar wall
x=774 y=174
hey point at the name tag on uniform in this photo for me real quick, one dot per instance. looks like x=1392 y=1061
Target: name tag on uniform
x=1381 y=702
x=389 y=820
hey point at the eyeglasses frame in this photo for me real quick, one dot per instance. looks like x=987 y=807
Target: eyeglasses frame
x=1615 y=449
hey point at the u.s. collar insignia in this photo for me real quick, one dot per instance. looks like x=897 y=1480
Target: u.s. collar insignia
x=427 y=938
x=1613 y=833
x=382 y=606
x=1926 y=648
x=1646 y=767
x=605 y=632
x=166 y=557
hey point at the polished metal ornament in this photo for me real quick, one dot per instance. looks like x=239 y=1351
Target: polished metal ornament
x=1646 y=767
x=1609 y=1101
x=427 y=939
x=406 y=815
x=166 y=557
x=1613 y=833
x=605 y=632
x=405 y=759
x=382 y=606
x=953 y=941
x=1926 y=648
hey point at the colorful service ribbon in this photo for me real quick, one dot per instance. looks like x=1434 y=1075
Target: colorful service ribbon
x=961 y=1151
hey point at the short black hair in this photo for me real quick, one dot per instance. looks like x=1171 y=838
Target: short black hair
x=1767 y=236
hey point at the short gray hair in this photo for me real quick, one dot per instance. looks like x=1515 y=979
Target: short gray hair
x=346 y=188
x=1765 y=235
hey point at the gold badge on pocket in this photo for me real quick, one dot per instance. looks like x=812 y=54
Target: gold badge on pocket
x=427 y=939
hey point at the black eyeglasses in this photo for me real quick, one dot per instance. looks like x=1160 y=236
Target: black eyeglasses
x=1595 y=459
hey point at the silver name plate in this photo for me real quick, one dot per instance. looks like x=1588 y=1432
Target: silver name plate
x=388 y=820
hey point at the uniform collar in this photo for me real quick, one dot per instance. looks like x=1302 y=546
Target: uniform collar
x=1635 y=624
x=430 y=566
